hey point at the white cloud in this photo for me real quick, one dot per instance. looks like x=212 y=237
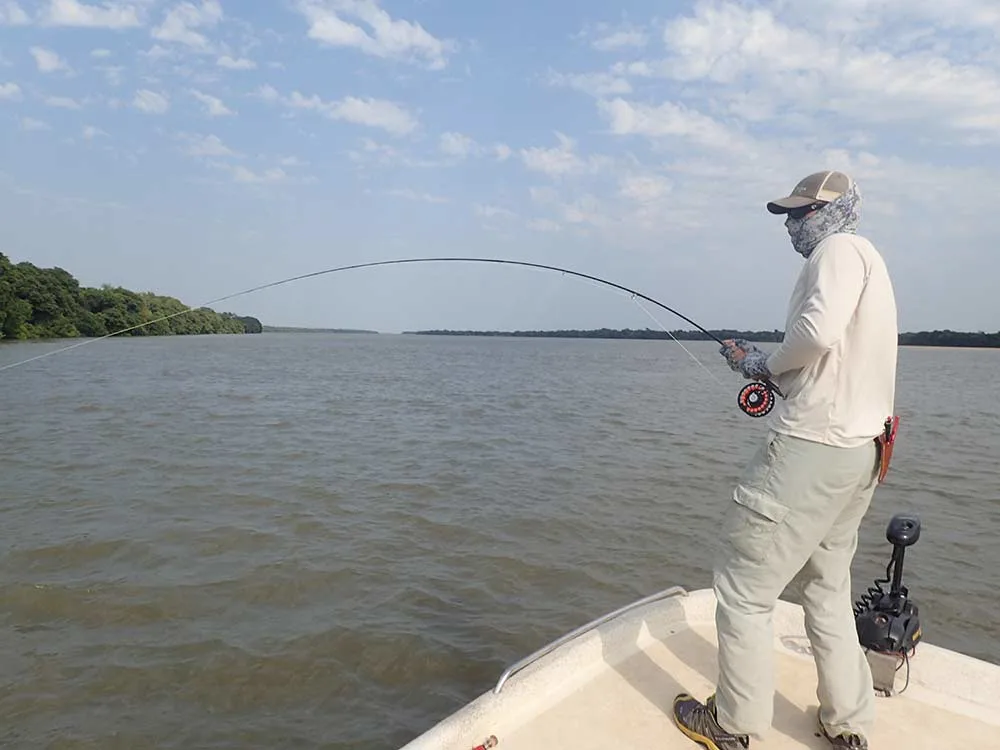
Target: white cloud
x=735 y=49
x=382 y=154
x=151 y=102
x=413 y=195
x=681 y=193
x=605 y=37
x=31 y=124
x=11 y=14
x=90 y=132
x=47 y=60
x=267 y=93
x=214 y=106
x=620 y=40
x=578 y=208
x=872 y=16
x=559 y=161
x=156 y=52
x=63 y=102
x=112 y=73
x=247 y=176
x=586 y=210
x=488 y=211
x=456 y=144
x=462 y=146
x=386 y=37
x=181 y=21
x=9 y=92
x=376 y=113
x=669 y=120
x=100 y=53
x=230 y=63
x=644 y=188
x=594 y=84
x=544 y=225
x=553 y=161
x=108 y=15
x=205 y=146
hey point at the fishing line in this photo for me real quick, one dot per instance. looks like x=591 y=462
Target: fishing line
x=755 y=399
x=700 y=363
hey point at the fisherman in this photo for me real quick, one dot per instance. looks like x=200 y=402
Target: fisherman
x=795 y=512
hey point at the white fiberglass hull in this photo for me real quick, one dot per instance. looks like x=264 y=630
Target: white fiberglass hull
x=611 y=684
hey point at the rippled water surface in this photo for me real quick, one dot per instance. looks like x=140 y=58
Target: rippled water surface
x=333 y=541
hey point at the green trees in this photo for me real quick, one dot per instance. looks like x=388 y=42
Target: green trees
x=948 y=337
x=920 y=338
x=50 y=303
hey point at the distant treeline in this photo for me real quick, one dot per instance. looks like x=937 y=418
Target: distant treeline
x=950 y=338
x=50 y=303
x=921 y=338
x=611 y=333
x=295 y=329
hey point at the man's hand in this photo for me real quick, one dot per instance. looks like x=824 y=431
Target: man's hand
x=734 y=350
x=745 y=358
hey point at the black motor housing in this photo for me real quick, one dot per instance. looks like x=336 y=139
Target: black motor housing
x=888 y=621
x=881 y=629
x=903 y=530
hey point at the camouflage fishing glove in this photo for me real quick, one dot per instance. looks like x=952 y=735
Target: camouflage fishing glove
x=754 y=365
x=745 y=358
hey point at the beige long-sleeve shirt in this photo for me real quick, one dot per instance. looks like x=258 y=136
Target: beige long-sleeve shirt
x=837 y=362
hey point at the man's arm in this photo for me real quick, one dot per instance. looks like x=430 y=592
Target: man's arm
x=836 y=279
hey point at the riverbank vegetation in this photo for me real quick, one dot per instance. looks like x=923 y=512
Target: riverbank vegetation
x=50 y=303
x=297 y=329
x=920 y=338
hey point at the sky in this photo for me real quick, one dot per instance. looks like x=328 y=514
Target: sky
x=196 y=149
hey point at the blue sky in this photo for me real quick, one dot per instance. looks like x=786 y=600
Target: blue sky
x=199 y=148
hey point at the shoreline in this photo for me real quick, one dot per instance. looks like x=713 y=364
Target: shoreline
x=908 y=340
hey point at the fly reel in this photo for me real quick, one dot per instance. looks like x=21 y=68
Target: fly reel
x=757 y=399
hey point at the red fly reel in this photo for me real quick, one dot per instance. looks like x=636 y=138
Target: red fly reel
x=756 y=400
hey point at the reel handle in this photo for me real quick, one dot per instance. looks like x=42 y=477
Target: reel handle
x=770 y=384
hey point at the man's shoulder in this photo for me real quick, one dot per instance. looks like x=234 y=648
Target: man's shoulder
x=847 y=238
x=841 y=241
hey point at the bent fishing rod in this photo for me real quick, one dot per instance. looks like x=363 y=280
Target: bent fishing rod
x=756 y=399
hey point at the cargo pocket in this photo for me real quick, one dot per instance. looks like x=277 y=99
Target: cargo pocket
x=755 y=514
x=753 y=520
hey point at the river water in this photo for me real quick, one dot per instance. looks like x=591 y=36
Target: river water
x=333 y=541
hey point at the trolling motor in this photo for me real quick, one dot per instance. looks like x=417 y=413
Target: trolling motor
x=887 y=621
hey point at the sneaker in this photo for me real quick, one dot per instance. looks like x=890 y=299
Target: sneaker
x=697 y=720
x=844 y=739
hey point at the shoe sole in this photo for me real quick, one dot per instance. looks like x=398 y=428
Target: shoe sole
x=699 y=738
x=822 y=729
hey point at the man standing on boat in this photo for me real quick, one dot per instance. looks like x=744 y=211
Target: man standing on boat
x=796 y=510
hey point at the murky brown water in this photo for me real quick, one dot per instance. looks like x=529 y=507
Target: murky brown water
x=316 y=541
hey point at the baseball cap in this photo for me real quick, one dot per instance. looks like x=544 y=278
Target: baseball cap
x=818 y=187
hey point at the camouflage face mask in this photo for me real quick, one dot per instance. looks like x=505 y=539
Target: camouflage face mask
x=840 y=215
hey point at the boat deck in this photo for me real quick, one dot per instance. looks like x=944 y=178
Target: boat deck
x=629 y=707
x=611 y=684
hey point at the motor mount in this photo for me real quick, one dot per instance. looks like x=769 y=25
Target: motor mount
x=888 y=621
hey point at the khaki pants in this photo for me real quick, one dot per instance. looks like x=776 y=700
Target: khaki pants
x=795 y=515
